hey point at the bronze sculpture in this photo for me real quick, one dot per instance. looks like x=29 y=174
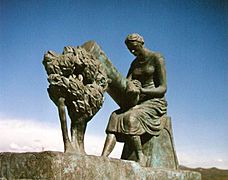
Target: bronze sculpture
x=141 y=122
x=77 y=80
x=148 y=73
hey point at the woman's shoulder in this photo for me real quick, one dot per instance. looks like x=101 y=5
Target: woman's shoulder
x=156 y=57
x=134 y=62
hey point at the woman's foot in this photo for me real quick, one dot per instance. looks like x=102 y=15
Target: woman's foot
x=142 y=160
x=109 y=145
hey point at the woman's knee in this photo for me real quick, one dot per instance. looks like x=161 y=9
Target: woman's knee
x=130 y=121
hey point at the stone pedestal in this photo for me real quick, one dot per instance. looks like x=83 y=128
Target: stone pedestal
x=60 y=166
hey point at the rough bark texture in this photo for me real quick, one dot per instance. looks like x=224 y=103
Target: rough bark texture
x=59 y=166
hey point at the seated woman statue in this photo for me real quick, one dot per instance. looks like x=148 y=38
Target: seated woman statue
x=147 y=82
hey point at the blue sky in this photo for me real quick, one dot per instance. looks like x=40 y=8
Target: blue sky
x=192 y=35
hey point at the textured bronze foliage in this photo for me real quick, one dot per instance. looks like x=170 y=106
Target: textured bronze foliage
x=77 y=76
x=77 y=81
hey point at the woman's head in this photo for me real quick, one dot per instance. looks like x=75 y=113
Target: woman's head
x=135 y=43
x=134 y=38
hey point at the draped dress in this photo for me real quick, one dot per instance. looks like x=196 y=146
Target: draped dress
x=145 y=117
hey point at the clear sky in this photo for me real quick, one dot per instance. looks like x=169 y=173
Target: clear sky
x=192 y=35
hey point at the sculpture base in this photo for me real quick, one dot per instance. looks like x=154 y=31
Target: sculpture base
x=57 y=165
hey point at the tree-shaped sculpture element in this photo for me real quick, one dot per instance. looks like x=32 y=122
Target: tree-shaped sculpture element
x=78 y=81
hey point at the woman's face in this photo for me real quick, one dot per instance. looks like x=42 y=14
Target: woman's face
x=135 y=48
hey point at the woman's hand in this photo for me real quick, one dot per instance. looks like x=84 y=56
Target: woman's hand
x=133 y=92
x=133 y=86
x=137 y=83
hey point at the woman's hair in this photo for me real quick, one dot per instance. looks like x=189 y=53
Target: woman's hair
x=134 y=38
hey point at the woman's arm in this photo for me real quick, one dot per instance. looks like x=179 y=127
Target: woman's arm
x=160 y=75
x=129 y=76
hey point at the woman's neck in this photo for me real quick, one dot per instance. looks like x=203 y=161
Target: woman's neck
x=142 y=56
